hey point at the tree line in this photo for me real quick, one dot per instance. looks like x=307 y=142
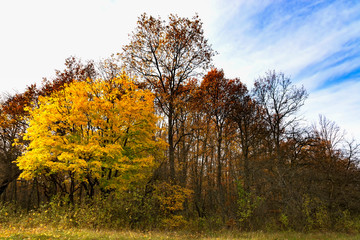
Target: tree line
x=164 y=132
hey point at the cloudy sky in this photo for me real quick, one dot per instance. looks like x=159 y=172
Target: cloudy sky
x=314 y=42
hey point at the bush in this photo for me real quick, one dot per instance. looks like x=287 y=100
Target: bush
x=247 y=204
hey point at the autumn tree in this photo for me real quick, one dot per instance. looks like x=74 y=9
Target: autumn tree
x=335 y=160
x=281 y=100
x=90 y=133
x=13 y=126
x=226 y=103
x=248 y=116
x=165 y=55
x=215 y=97
x=14 y=114
x=74 y=70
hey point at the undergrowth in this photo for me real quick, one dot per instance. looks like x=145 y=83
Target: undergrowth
x=119 y=215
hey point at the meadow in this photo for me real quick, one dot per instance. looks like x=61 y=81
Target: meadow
x=43 y=232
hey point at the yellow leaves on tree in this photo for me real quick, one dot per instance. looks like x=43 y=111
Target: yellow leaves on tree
x=171 y=197
x=95 y=130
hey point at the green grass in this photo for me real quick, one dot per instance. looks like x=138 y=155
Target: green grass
x=50 y=233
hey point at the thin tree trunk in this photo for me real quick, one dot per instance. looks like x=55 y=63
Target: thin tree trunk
x=171 y=143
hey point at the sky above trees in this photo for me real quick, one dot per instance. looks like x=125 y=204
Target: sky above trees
x=315 y=43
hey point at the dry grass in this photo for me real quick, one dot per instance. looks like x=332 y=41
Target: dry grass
x=43 y=232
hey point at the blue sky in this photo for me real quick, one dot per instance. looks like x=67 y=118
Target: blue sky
x=316 y=43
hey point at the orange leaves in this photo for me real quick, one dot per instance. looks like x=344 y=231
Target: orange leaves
x=166 y=54
x=13 y=109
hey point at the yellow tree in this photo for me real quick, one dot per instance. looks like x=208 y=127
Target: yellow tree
x=92 y=132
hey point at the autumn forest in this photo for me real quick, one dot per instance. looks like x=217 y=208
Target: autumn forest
x=156 y=136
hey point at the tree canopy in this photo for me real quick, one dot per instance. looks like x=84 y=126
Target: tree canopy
x=93 y=131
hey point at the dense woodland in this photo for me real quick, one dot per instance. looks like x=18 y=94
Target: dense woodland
x=158 y=136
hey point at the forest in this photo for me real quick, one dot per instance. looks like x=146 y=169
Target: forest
x=156 y=137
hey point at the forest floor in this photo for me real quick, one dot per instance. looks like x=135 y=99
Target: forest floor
x=42 y=232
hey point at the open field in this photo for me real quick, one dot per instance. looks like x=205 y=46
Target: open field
x=49 y=233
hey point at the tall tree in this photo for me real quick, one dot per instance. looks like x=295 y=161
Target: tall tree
x=166 y=55
x=14 y=114
x=281 y=100
x=218 y=93
x=214 y=89
x=248 y=116
x=12 y=126
x=92 y=132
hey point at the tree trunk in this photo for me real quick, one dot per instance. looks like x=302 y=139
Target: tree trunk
x=171 y=143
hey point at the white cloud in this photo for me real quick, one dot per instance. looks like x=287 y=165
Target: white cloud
x=308 y=43
x=38 y=35
x=339 y=103
x=286 y=43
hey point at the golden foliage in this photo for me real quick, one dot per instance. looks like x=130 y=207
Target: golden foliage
x=103 y=129
x=171 y=197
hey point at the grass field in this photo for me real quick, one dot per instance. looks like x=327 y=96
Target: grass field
x=49 y=233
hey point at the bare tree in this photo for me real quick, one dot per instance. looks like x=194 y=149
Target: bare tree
x=329 y=132
x=280 y=100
